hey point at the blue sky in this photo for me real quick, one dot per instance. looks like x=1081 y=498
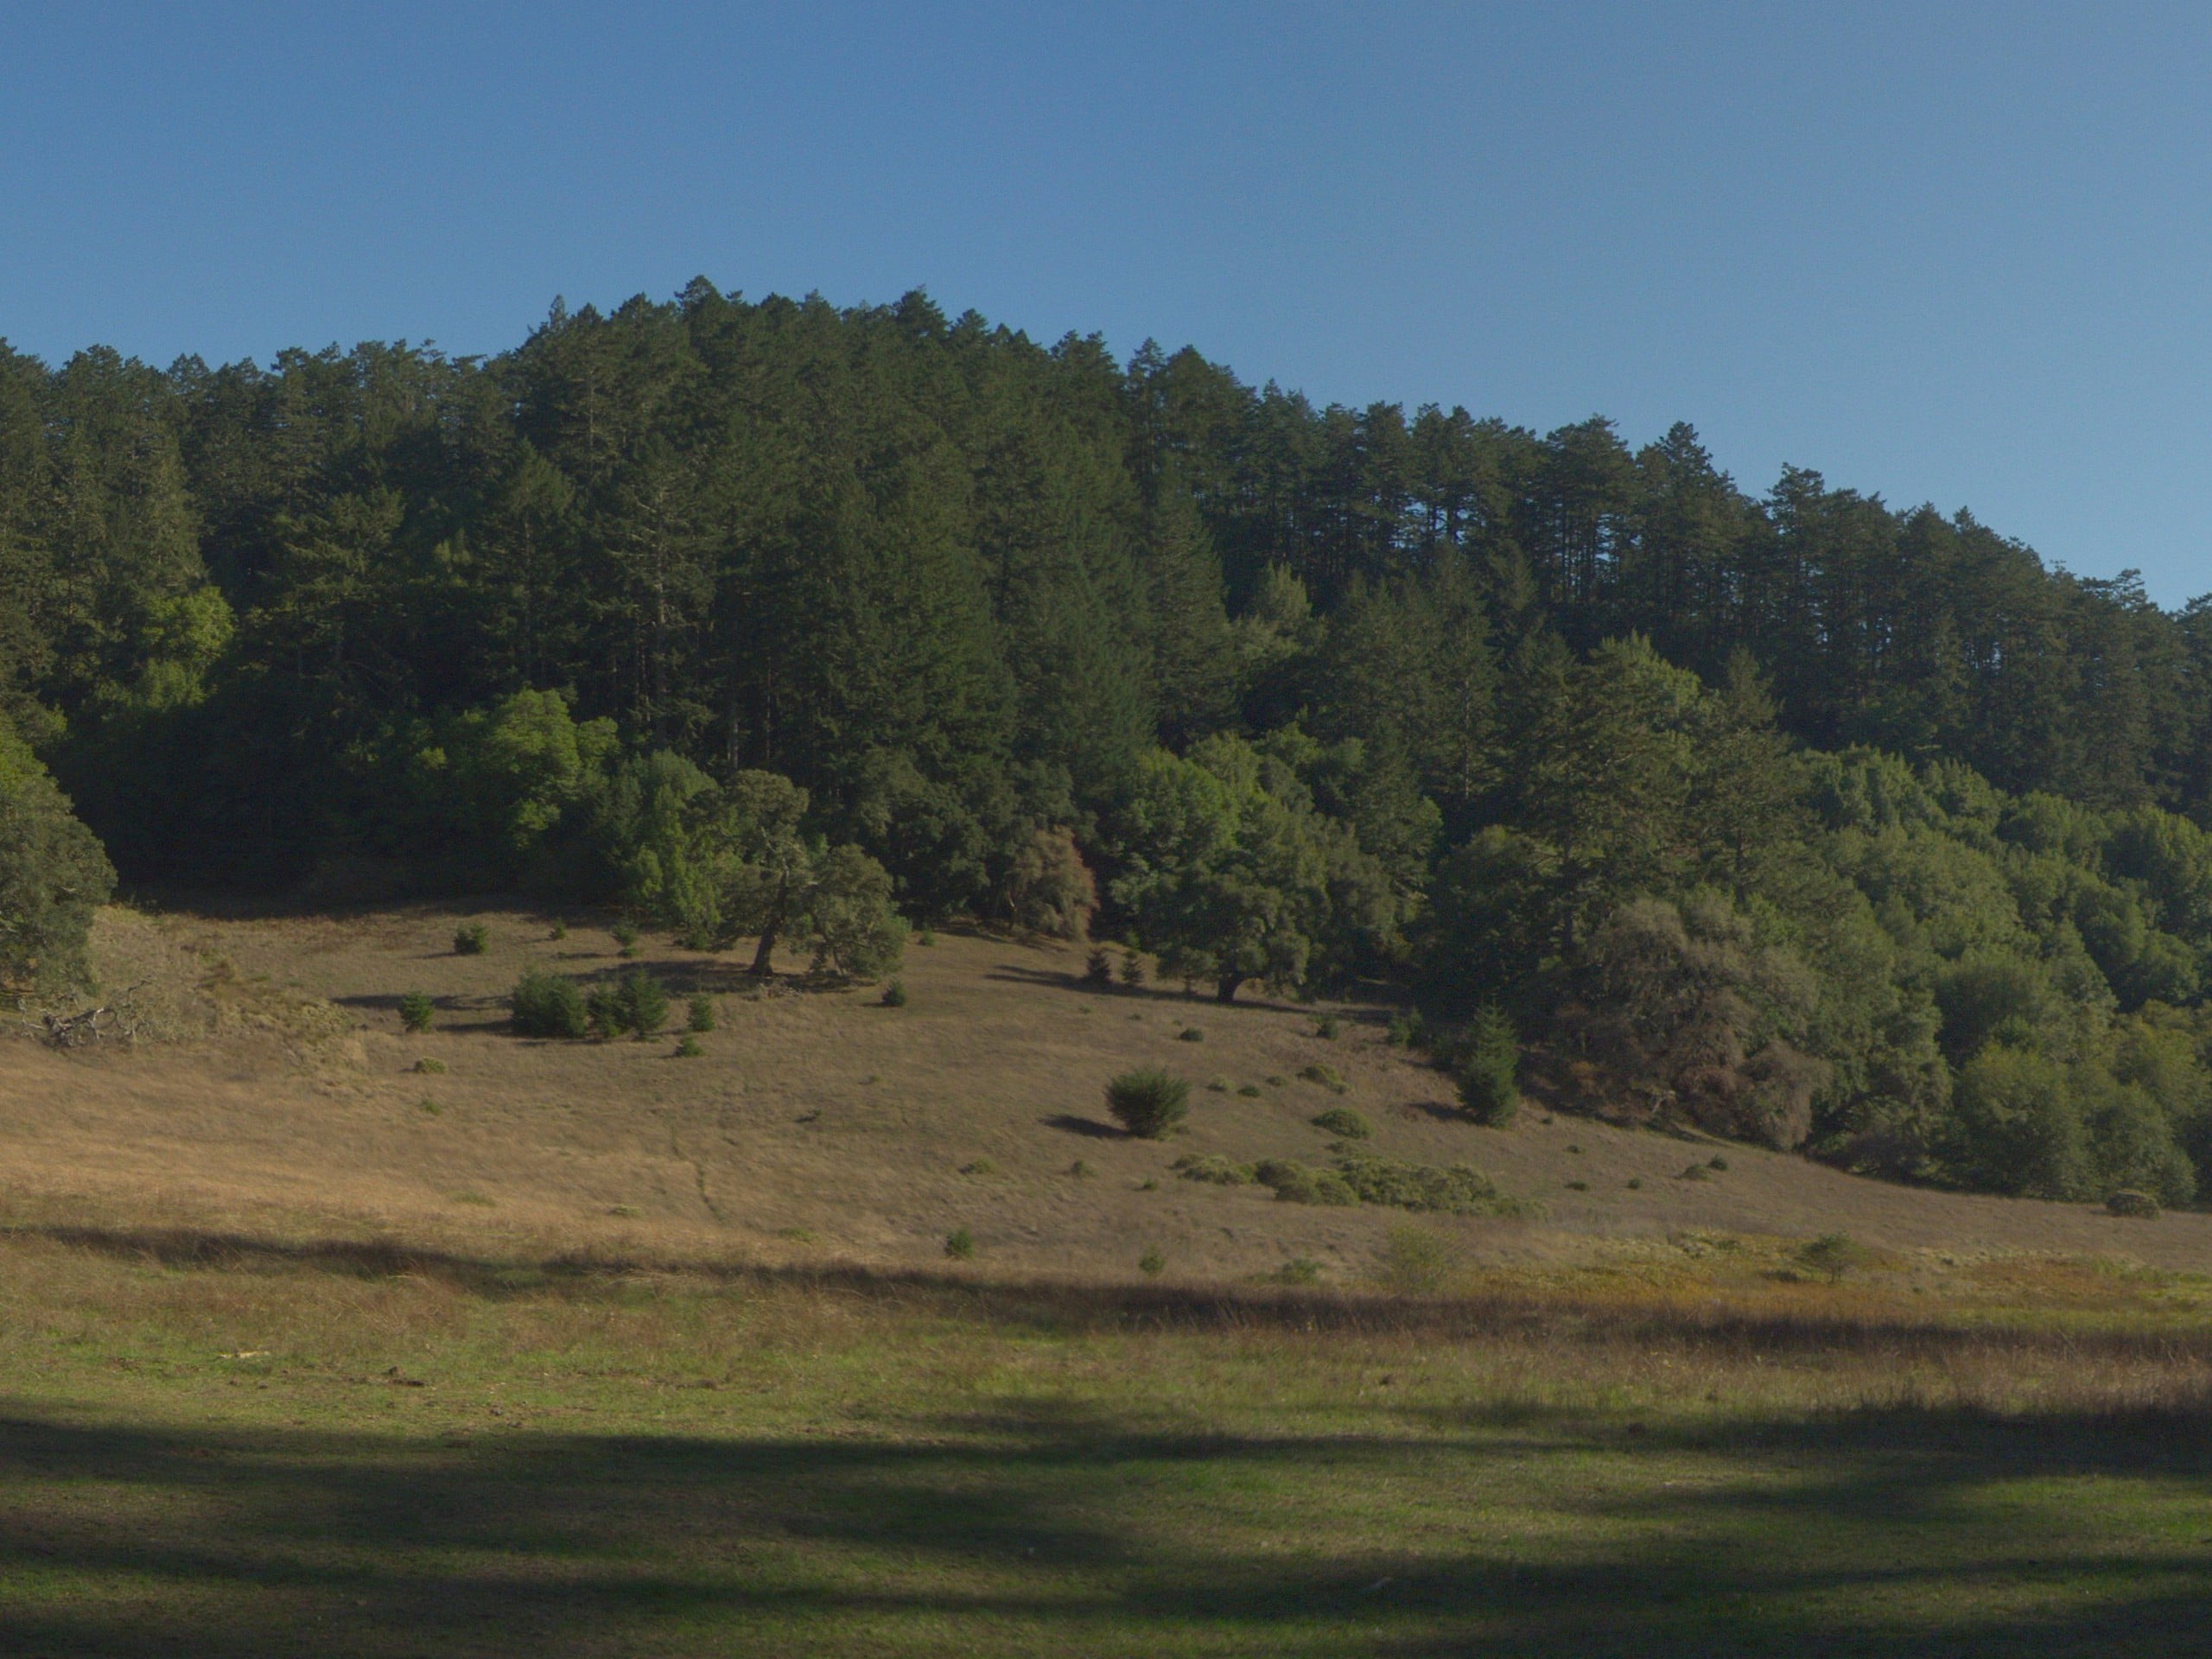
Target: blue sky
x=1953 y=253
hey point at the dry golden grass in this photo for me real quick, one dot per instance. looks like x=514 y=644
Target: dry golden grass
x=820 y=1127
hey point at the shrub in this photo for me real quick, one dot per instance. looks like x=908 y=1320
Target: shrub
x=1578 y=1187
x=1299 y=1270
x=1489 y=1066
x=1407 y=1031
x=701 y=1013
x=1717 y=1162
x=925 y=938
x=603 y=1012
x=1148 y=1102
x=1098 y=967
x=979 y=1167
x=1695 y=1172
x=560 y=931
x=546 y=1005
x=1295 y=1183
x=1634 y=1184
x=1079 y=1170
x=1189 y=1034
x=1213 y=1169
x=430 y=1067
x=1451 y=1189
x=1344 y=1122
x=2128 y=1202
x=1275 y=1082
x=960 y=1244
x=1151 y=1263
x=644 y=1004
x=1326 y=1075
x=1832 y=1255
x=1050 y=890
x=1325 y=1027
x=1416 y=1262
x=626 y=936
x=690 y=1048
x=1218 y=1085
x=470 y=939
x=1132 y=970
x=416 y=1011
x=894 y=994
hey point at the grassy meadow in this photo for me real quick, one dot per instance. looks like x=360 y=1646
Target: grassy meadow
x=214 y=1448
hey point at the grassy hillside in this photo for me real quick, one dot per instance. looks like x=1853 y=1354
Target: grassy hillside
x=616 y=1352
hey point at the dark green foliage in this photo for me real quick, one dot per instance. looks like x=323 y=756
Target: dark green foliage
x=1344 y=1122
x=1326 y=1075
x=700 y=1013
x=960 y=1244
x=547 y=1005
x=1148 y=1102
x=1296 y=1183
x=1098 y=967
x=1832 y=1254
x=471 y=939
x=688 y=1047
x=644 y=1004
x=53 y=876
x=2139 y=1206
x=416 y=1011
x=1189 y=1034
x=1133 y=973
x=1453 y=1189
x=1488 y=1062
x=1791 y=816
x=1214 y=1169
x=894 y=994
x=1151 y=1263
x=625 y=937
x=1325 y=1027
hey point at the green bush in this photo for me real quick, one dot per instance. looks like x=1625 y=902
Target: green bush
x=1326 y=1075
x=1189 y=1034
x=416 y=1011
x=701 y=1014
x=894 y=994
x=960 y=1244
x=559 y=931
x=1250 y=1091
x=1325 y=1027
x=1098 y=967
x=546 y=1005
x=603 y=1013
x=1148 y=1102
x=1407 y=1031
x=1832 y=1255
x=470 y=939
x=2127 y=1202
x=1132 y=970
x=1151 y=1263
x=1299 y=1270
x=1488 y=1069
x=626 y=936
x=428 y=1067
x=1343 y=1121
x=644 y=1004
x=688 y=1048
x=1451 y=1189
x=1295 y=1183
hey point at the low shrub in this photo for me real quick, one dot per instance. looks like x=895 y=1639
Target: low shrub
x=1578 y=1187
x=895 y=993
x=1213 y=1169
x=644 y=1004
x=2128 y=1202
x=1151 y=1263
x=471 y=939
x=546 y=1005
x=1079 y=1170
x=1250 y=1091
x=1326 y=1028
x=925 y=938
x=1218 y=1085
x=428 y=1067
x=1407 y=1031
x=1446 y=1189
x=979 y=1167
x=1148 y=1102
x=1189 y=1034
x=559 y=931
x=625 y=937
x=1343 y=1121
x=1717 y=1162
x=416 y=1011
x=1695 y=1172
x=690 y=1048
x=1295 y=1183
x=1299 y=1270
x=1832 y=1254
x=1326 y=1075
x=700 y=1013
x=960 y=1244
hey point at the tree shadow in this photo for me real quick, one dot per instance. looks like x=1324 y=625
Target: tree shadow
x=1043 y=1524
x=1089 y=1126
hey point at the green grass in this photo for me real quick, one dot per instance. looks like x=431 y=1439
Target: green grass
x=216 y=1449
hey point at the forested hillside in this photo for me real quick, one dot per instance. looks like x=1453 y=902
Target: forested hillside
x=1799 y=816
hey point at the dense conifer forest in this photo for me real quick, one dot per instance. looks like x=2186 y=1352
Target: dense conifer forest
x=1796 y=815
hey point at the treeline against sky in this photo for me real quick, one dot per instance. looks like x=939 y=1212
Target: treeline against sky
x=1795 y=815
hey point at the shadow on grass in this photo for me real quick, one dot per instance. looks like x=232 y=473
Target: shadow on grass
x=1017 y=1530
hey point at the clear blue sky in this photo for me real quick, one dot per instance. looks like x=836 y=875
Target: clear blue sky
x=1960 y=254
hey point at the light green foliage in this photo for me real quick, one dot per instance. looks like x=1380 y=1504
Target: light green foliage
x=416 y=1011
x=1344 y=1122
x=1148 y=1102
x=547 y=1005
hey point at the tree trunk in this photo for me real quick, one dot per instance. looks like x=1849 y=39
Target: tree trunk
x=767 y=948
x=1225 y=988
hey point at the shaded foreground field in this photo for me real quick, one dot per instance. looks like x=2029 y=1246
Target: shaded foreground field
x=219 y=1447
